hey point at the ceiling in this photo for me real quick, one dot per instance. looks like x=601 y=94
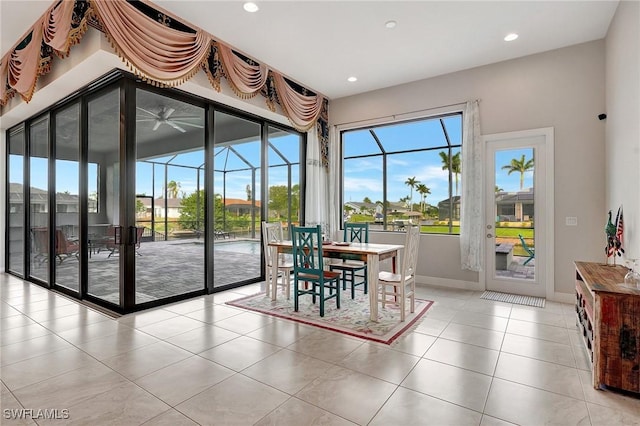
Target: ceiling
x=322 y=43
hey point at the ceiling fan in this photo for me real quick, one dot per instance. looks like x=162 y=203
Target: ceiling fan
x=164 y=117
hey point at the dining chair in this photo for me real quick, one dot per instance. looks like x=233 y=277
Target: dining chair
x=272 y=232
x=406 y=277
x=65 y=247
x=308 y=267
x=529 y=250
x=354 y=272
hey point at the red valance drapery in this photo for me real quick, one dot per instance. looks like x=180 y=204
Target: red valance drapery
x=160 y=54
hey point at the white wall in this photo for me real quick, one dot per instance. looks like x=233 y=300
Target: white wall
x=623 y=121
x=563 y=89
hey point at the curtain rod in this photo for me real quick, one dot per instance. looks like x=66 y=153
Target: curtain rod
x=395 y=116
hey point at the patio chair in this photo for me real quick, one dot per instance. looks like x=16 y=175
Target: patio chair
x=529 y=250
x=273 y=232
x=308 y=267
x=65 y=248
x=353 y=271
x=406 y=278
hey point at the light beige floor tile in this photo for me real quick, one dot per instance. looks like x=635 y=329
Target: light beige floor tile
x=414 y=343
x=488 y=307
x=282 y=333
x=240 y=353
x=582 y=357
x=538 y=331
x=489 y=339
x=470 y=357
x=244 y=323
x=238 y=400
x=12 y=412
x=607 y=398
x=184 y=379
x=124 y=405
x=539 y=349
x=525 y=405
x=477 y=319
x=348 y=394
x=203 y=338
x=70 y=388
x=170 y=327
x=147 y=359
x=141 y=319
x=431 y=326
x=20 y=334
x=492 y=421
x=407 y=407
x=70 y=322
x=170 y=417
x=605 y=416
x=380 y=362
x=213 y=313
x=59 y=312
x=227 y=296
x=188 y=306
x=43 y=367
x=51 y=302
x=32 y=348
x=537 y=315
x=442 y=312
x=92 y=331
x=287 y=371
x=456 y=385
x=7 y=311
x=295 y=412
x=326 y=346
x=116 y=344
x=540 y=374
x=15 y=321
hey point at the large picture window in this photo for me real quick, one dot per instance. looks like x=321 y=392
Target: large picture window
x=404 y=173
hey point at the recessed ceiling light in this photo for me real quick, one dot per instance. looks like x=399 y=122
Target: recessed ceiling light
x=352 y=79
x=250 y=7
x=511 y=37
x=390 y=24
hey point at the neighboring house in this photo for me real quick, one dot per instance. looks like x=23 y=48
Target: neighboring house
x=241 y=207
x=510 y=207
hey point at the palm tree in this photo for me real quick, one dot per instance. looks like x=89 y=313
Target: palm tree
x=521 y=166
x=454 y=162
x=423 y=191
x=172 y=189
x=411 y=183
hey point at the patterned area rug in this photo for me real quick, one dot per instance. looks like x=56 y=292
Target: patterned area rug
x=352 y=318
x=538 y=302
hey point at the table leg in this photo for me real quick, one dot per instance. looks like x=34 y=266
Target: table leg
x=373 y=265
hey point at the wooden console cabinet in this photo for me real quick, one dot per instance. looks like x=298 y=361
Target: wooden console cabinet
x=609 y=318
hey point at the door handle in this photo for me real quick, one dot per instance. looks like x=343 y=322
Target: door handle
x=489 y=236
x=133 y=236
x=117 y=234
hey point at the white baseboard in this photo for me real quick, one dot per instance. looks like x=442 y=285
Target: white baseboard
x=563 y=297
x=446 y=282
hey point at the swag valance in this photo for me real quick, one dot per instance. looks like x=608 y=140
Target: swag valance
x=159 y=49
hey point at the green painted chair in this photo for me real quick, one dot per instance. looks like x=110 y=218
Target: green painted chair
x=308 y=267
x=354 y=272
x=530 y=250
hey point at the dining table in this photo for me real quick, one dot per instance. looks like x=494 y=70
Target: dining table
x=371 y=253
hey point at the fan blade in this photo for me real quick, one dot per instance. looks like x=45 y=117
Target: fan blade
x=199 y=126
x=143 y=120
x=189 y=117
x=175 y=126
x=148 y=112
x=157 y=125
x=166 y=113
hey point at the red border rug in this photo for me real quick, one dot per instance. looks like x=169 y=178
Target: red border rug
x=352 y=318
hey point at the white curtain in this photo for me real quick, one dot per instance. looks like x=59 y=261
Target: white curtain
x=316 y=197
x=472 y=199
x=335 y=183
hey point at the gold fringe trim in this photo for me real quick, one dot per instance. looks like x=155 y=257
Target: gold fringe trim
x=214 y=81
x=75 y=35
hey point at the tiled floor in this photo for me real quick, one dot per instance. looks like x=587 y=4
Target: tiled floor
x=469 y=362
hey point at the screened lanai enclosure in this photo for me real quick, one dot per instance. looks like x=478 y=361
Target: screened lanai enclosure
x=158 y=195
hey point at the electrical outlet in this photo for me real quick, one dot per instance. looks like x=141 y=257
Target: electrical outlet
x=571 y=221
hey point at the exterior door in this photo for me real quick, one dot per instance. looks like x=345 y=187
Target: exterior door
x=518 y=217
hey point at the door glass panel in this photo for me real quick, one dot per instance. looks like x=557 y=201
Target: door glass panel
x=39 y=201
x=514 y=214
x=68 y=196
x=15 y=190
x=169 y=197
x=237 y=203
x=284 y=178
x=103 y=187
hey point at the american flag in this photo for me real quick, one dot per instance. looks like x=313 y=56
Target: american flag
x=619 y=232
